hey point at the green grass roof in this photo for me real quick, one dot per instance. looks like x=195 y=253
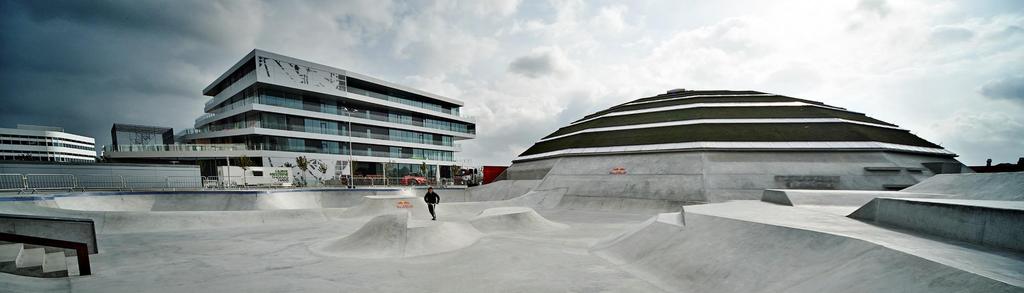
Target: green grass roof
x=696 y=93
x=731 y=99
x=756 y=132
x=717 y=113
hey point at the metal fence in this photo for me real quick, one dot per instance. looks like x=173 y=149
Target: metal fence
x=42 y=182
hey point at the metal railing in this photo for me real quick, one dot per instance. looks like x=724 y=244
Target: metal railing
x=331 y=130
x=437 y=155
x=176 y=148
x=43 y=182
x=81 y=249
x=330 y=109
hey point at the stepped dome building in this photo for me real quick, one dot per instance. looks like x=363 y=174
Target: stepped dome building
x=709 y=146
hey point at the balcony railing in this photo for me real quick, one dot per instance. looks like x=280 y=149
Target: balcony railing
x=248 y=76
x=404 y=101
x=371 y=115
x=176 y=148
x=204 y=116
x=317 y=130
x=340 y=150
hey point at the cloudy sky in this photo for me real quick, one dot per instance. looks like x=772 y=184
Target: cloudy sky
x=950 y=71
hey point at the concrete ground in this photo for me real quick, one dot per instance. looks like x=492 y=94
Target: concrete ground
x=798 y=241
x=278 y=258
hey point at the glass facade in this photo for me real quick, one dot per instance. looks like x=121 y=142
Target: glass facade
x=13 y=147
x=289 y=144
x=42 y=141
x=128 y=134
x=293 y=73
x=309 y=103
x=399 y=170
x=298 y=85
x=320 y=126
x=404 y=101
x=41 y=156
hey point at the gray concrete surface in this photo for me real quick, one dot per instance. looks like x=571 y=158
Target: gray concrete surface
x=983 y=222
x=280 y=258
x=989 y=186
x=546 y=240
x=54 y=262
x=840 y=202
x=213 y=200
x=698 y=177
x=10 y=251
x=375 y=205
x=16 y=283
x=748 y=246
x=513 y=219
x=500 y=190
x=397 y=235
x=69 y=229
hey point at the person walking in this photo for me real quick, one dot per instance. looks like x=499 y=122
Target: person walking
x=432 y=199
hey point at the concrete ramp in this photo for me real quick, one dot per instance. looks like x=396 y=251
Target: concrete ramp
x=546 y=199
x=115 y=222
x=501 y=190
x=717 y=254
x=375 y=205
x=209 y=200
x=618 y=204
x=840 y=202
x=396 y=235
x=142 y=222
x=16 y=283
x=998 y=224
x=513 y=219
x=987 y=186
x=116 y=213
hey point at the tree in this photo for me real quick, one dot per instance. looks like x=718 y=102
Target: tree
x=244 y=163
x=320 y=166
x=303 y=164
x=423 y=169
x=456 y=174
x=307 y=166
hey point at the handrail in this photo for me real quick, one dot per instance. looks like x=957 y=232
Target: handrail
x=62 y=228
x=81 y=249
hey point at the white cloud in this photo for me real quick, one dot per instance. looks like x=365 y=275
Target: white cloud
x=950 y=34
x=610 y=19
x=435 y=45
x=999 y=134
x=526 y=68
x=1010 y=88
x=493 y=7
x=544 y=61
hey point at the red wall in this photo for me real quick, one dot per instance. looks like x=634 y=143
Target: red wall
x=492 y=172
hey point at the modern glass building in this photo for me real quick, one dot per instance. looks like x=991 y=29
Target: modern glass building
x=131 y=134
x=274 y=109
x=45 y=144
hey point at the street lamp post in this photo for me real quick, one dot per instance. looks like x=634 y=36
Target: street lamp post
x=351 y=162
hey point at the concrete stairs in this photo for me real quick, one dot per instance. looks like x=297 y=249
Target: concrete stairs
x=32 y=261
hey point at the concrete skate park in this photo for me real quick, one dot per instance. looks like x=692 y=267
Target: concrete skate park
x=812 y=199
x=923 y=239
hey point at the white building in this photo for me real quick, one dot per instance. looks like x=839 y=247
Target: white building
x=45 y=144
x=274 y=109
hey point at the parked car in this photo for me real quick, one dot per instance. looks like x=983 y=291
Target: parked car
x=412 y=180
